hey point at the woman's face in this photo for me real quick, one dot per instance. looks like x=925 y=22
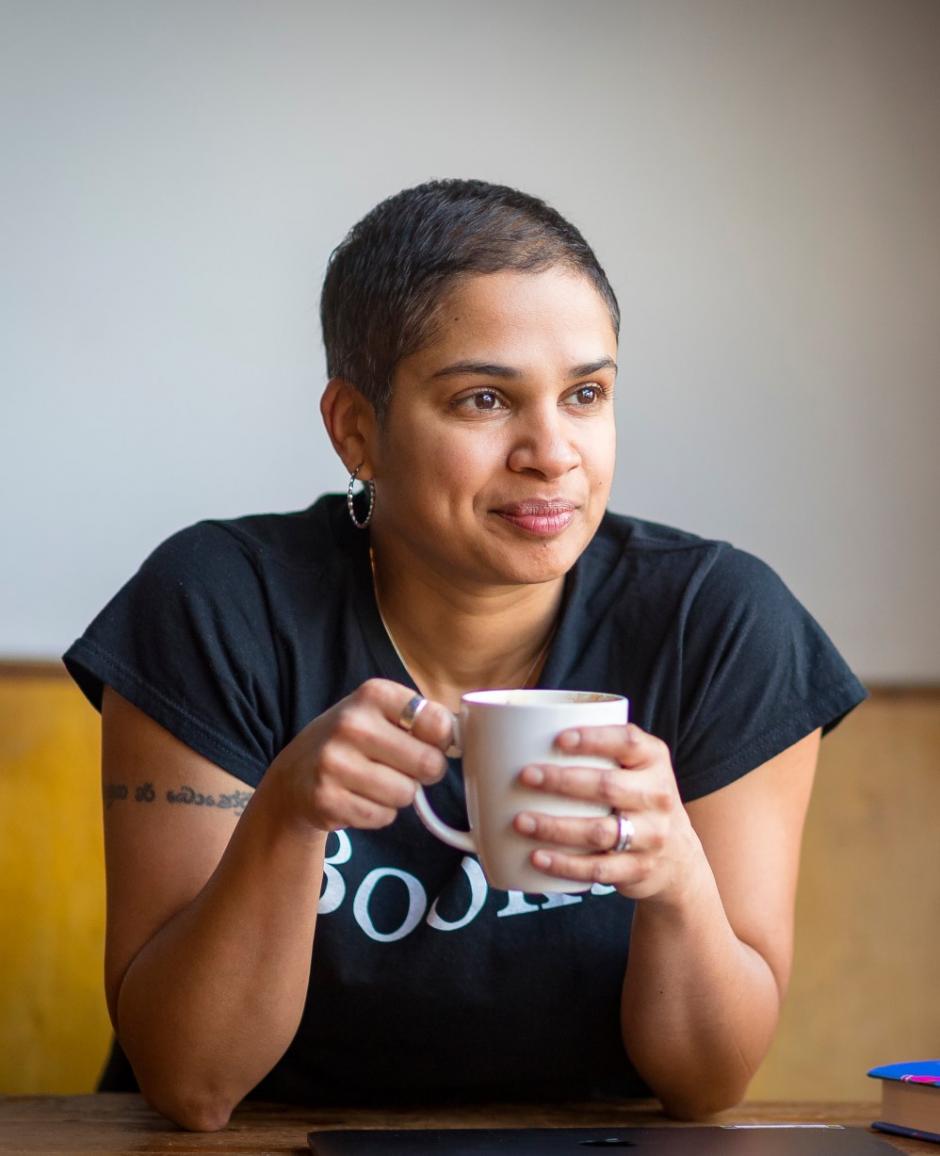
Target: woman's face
x=494 y=463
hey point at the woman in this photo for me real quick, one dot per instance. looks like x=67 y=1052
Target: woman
x=257 y=681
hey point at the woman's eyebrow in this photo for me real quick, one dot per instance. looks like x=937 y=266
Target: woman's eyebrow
x=490 y=369
x=593 y=367
x=480 y=368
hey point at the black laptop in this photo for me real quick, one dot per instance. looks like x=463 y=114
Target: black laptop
x=715 y=1140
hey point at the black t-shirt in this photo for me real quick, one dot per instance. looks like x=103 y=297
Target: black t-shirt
x=425 y=982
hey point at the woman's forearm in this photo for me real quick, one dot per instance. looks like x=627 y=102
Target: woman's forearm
x=212 y=1001
x=699 y=1007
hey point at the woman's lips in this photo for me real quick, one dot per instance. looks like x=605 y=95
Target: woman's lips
x=540 y=518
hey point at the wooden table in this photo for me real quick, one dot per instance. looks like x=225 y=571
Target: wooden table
x=113 y=1123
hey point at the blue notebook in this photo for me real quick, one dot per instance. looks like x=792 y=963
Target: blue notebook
x=910 y=1099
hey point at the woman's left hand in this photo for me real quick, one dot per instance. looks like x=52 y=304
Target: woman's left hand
x=664 y=853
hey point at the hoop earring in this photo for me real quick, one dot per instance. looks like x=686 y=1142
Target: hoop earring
x=369 y=488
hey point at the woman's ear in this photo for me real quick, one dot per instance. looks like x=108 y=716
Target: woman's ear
x=350 y=422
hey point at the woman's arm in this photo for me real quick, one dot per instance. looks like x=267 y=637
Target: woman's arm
x=710 y=959
x=211 y=917
x=712 y=937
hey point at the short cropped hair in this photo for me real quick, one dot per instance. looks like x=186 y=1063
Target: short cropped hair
x=385 y=282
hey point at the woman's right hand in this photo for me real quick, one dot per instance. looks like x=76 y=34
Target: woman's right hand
x=354 y=765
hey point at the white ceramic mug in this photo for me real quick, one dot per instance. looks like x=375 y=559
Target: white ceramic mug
x=499 y=732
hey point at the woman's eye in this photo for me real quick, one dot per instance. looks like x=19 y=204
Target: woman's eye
x=484 y=401
x=586 y=395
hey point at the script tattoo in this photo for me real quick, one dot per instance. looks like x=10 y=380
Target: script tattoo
x=116 y=791
x=144 y=793
x=113 y=792
x=235 y=801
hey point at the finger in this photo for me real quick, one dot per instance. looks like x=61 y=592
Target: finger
x=382 y=785
x=345 y=768
x=594 y=834
x=628 y=745
x=363 y=730
x=351 y=810
x=618 y=789
x=432 y=723
x=624 y=869
x=390 y=747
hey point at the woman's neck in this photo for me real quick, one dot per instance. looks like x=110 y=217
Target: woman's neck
x=454 y=640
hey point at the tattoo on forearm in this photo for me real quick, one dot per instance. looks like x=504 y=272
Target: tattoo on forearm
x=144 y=793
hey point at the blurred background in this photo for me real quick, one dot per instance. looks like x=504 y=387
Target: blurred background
x=759 y=178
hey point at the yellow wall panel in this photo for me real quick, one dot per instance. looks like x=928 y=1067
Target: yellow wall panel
x=864 y=987
x=53 y=1022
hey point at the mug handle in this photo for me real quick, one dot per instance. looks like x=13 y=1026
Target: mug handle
x=462 y=840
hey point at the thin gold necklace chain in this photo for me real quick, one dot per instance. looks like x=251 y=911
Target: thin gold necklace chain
x=401 y=658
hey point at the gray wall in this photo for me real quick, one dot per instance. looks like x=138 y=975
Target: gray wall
x=760 y=178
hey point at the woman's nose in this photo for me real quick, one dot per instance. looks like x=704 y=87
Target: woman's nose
x=544 y=446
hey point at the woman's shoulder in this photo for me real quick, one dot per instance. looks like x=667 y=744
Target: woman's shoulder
x=226 y=585
x=301 y=539
x=201 y=636
x=708 y=575
x=656 y=545
x=621 y=532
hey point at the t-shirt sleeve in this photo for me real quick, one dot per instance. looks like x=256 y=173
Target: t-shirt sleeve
x=188 y=641
x=758 y=674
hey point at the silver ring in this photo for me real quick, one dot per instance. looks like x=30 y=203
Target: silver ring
x=409 y=716
x=625 y=833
